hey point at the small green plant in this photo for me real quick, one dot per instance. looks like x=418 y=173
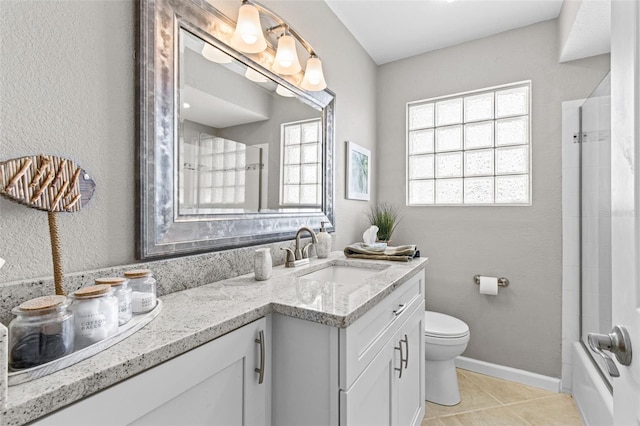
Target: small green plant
x=386 y=217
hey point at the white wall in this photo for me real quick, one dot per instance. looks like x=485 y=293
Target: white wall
x=521 y=327
x=67 y=87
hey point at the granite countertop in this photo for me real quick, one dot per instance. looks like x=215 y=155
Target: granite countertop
x=196 y=316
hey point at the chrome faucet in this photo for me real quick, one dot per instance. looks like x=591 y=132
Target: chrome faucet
x=299 y=256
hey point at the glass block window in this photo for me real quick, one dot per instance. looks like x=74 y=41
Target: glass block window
x=214 y=172
x=472 y=148
x=301 y=155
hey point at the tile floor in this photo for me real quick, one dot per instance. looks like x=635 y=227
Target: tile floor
x=493 y=402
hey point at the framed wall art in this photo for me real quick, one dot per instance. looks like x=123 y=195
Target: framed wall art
x=358 y=172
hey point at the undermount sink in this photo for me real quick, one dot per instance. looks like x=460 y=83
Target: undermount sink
x=340 y=274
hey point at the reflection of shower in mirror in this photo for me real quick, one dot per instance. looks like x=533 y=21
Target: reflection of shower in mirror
x=217 y=175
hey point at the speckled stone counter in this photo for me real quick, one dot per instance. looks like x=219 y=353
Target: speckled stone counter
x=192 y=317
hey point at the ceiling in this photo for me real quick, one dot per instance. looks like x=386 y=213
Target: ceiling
x=394 y=29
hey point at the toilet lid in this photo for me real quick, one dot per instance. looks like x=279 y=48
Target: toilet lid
x=441 y=325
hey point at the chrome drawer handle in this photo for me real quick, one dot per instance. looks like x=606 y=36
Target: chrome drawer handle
x=406 y=342
x=399 y=348
x=260 y=370
x=401 y=310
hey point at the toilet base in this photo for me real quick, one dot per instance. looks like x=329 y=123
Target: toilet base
x=442 y=382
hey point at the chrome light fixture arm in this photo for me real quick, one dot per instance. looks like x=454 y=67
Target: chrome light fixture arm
x=281 y=24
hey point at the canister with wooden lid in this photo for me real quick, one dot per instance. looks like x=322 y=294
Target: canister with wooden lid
x=95 y=310
x=41 y=332
x=122 y=292
x=143 y=285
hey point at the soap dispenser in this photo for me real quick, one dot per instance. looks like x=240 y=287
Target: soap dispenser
x=323 y=246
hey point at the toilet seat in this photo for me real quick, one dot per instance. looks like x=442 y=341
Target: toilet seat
x=441 y=326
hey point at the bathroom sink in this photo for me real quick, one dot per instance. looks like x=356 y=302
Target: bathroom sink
x=341 y=274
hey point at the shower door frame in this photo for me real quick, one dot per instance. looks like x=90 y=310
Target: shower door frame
x=583 y=138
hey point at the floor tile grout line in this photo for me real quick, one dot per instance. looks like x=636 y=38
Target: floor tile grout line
x=534 y=399
x=470 y=411
x=471 y=379
x=491 y=407
x=477 y=410
x=438 y=418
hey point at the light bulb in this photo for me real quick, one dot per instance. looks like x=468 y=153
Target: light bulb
x=248 y=36
x=313 y=79
x=286 y=61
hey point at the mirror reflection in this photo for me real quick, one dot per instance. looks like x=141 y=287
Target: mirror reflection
x=246 y=144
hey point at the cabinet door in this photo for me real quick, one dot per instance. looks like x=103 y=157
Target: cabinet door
x=411 y=386
x=370 y=400
x=214 y=384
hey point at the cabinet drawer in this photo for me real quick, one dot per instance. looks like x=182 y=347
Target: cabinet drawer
x=361 y=341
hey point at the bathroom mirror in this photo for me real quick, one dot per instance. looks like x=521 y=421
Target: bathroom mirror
x=230 y=154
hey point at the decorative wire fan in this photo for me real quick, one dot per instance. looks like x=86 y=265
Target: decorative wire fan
x=50 y=183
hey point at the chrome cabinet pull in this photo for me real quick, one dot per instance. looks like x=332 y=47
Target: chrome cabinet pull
x=260 y=370
x=399 y=348
x=406 y=342
x=401 y=309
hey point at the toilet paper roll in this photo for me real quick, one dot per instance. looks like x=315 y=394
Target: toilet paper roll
x=489 y=285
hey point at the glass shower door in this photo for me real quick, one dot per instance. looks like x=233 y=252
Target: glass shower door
x=595 y=217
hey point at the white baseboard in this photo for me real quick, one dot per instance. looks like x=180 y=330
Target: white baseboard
x=507 y=373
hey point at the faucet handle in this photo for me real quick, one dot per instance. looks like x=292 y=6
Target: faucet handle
x=305 y=251
x=290 y=258
x=290 y=254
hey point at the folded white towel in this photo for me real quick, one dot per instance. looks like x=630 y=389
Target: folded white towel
x=377 y=247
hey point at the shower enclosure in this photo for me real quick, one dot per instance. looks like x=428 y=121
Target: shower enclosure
x=587 y=303
x=595 y=219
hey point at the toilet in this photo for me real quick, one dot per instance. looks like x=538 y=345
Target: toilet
x=445 y=337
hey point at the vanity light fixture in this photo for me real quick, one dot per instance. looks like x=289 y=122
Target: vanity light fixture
x=248 y=37
x=286 y=61
x=313 y=77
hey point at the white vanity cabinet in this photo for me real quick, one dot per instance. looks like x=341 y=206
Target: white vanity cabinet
x=390 y=389
x=213 y=384
x=369 y=373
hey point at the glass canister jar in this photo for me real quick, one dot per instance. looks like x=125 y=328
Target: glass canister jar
x=122 y=292
x=41 y=332
x=95 y=310
x=143 y=285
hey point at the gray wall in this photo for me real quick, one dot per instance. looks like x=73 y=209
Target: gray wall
x=521 y=327
x=283 y=110
x=68 y=88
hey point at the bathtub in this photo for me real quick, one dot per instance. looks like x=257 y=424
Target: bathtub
x=591 y=395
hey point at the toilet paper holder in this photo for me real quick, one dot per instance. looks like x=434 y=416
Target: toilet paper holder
x=502 y=282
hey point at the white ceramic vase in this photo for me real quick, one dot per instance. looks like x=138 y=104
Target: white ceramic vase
x=262 y=264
